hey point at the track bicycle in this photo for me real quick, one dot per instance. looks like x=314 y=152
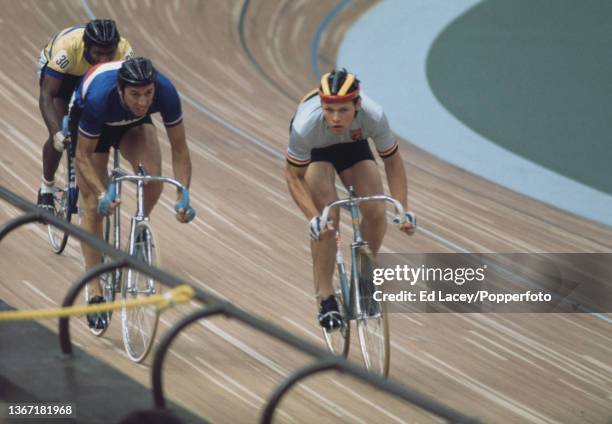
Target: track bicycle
x=139 y=324
x=65 y=196
x=355 y=293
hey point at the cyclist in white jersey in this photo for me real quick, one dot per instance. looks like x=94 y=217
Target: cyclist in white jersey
x=328 y=135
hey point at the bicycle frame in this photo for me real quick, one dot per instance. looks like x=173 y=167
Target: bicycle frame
x=369 y=315
x=72 y=186
x=117 y=177
x=65 y=199
x=353 y=309
x=70 y=158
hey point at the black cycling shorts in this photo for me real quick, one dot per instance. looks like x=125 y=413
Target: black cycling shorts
x=69 y=84
x=343 y=155
x=111 y=134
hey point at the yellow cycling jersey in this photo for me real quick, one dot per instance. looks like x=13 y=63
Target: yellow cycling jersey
x=65 y=53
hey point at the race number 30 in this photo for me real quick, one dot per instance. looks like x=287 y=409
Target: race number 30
x=61 y=60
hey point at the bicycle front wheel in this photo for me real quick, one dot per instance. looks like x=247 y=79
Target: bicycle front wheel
x=372 y=320
x=140 y=323
x=61 y=208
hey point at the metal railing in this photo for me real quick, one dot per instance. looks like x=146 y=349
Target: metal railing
x=215 y=306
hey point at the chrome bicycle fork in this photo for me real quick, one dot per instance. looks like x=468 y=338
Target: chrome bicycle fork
x=118 y=175
x=353 y=307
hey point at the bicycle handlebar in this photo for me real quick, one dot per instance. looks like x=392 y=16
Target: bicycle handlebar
x=119 y=176
x=356 y=200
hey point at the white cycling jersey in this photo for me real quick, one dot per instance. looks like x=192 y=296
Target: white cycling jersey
x=309 y=130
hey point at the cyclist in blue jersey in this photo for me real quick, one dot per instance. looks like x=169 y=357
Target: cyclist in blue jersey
x=113 y=107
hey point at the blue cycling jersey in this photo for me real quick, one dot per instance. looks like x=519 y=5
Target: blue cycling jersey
x=97 y=96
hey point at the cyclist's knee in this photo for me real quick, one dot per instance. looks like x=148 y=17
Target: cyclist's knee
x=322 y=199
x=152 y=164
x=323 y=195
x=153 y=190
x=334 y=217
x=152 y=193
x=89 y=209
x=49 y=144
x=88 y=201
x=320 y=178
x=324 y=245
x=373 y=212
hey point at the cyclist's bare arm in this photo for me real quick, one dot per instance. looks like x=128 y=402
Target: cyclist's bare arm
x=181 y=161
x=85 y=149
x=396 y=177
x=296 y=181
x=50 y=90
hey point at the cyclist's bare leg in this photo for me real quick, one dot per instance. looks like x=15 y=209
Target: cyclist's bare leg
x=51 y=157
x=365 y=179
x=91 y=220
x=321 y=177
x=140 y=145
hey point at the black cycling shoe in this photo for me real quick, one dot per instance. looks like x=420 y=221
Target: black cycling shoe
x=46 y=201
x=97 y=320
x=329 y=314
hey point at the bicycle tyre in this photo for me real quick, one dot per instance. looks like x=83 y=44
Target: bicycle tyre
x=372 y=321
x=338 y=341
x=139 y=324
x=58 y=238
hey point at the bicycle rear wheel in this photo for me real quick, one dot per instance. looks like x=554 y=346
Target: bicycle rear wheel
x=338 y=340
x=372 y=320
x=140 y=323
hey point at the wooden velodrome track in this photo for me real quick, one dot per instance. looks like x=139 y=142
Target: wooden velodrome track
x=242 y=79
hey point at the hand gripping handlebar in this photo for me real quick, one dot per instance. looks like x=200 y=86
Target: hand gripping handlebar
x=351 y=201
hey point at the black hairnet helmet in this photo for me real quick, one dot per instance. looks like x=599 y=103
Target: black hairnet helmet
x=101 y=32
x=137 y=71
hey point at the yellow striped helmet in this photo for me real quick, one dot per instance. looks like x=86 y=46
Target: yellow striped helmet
x=339 y=86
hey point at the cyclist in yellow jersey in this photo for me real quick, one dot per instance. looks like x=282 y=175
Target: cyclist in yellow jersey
x=65 y=59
